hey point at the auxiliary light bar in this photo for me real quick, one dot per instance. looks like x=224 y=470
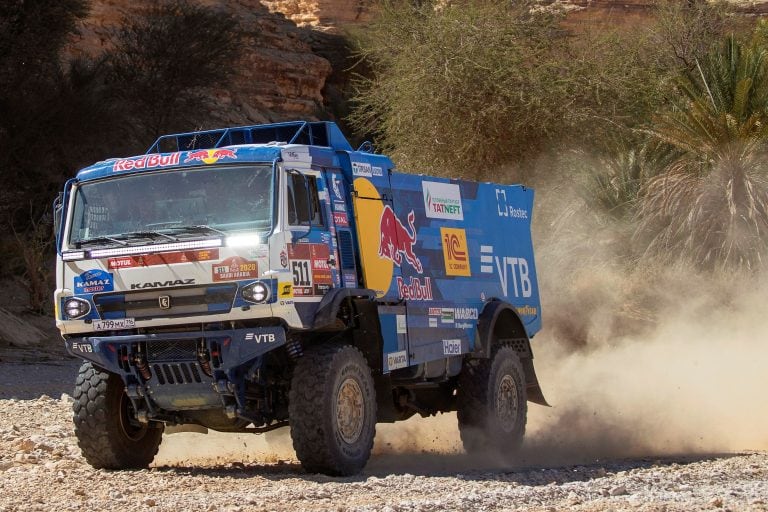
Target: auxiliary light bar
x=146 y=249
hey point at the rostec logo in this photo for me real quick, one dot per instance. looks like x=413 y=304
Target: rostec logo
x=260 y=338
x=442 y=200
x=396 y=241
x=508 y=268
x=455 y=252
x=504 y=209
x=210 y=156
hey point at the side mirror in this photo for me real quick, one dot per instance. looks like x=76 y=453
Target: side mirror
x=58 y=210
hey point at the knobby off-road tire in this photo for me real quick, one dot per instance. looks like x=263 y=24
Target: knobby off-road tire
x=105 y=433
x=492 y=404
x=332 y=410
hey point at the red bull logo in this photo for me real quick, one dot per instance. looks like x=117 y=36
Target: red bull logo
x=396 y=240
x=210 y=156
x=415 y=289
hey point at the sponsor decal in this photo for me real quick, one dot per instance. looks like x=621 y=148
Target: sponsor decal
x=291 y=155
x=162 y=284
x=414 y=290
x=339 y=207
x=442 y=200
x=94 y=281
x=465 y=313
x=435 y=311
x=234 y=268
x=335 y=187
x=463 y=325
x=512 y=271
x=340 y=219
x=446 y=316
x=362 y=169
x=397 y=360
x=433 y=321
x=285 y=290
x=310 y=268
x=455 y=252
x=452 y=347
x=80 y=346
x=396 y=241
x=401 y=324
x=260 y=338
x=527 y=310
x=377 y=171
x=350 y=280
x=146 y=162
x=167 y=258
x=210 y=156
x=504 y=209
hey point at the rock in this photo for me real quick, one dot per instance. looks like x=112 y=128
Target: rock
x=619 y=490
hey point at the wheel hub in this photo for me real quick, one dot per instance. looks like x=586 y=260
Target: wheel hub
x=506 y=403
x=129 y=426
x=350 y=411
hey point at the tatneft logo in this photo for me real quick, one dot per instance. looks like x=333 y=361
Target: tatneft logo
x=455 y=252
x=442 y=200
x=509 y=269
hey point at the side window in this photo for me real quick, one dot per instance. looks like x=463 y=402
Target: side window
x=303 y=207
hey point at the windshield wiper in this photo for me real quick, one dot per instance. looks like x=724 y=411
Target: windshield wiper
x=149 y=234
x=199 y=228
x=99 y=240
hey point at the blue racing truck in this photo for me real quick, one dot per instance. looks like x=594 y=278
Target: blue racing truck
x=249 y=278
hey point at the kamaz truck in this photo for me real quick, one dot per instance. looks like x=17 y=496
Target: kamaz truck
x=251 y=278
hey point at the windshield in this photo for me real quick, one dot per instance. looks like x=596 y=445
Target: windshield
x=165 y=204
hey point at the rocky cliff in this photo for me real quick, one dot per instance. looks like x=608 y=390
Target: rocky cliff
x=279 y=77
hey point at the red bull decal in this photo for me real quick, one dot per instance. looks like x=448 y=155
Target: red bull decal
x=210 y=156
x=146 y=162
x=396 y=240
x=414 y=290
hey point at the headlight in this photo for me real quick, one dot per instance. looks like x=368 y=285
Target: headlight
x=76 y=308
x=257 y=292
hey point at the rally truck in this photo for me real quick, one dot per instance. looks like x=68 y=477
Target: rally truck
x=250 y=278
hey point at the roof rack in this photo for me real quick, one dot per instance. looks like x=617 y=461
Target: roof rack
x=319 y=133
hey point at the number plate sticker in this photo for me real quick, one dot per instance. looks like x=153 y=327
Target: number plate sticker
x=113 y=325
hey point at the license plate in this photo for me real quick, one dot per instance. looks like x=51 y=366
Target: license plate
x=113 y=325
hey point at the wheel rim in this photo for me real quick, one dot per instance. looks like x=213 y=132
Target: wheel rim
x=350 y=411
x=506 y=403
x=130 y=430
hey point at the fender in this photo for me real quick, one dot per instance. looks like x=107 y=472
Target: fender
x=514 y=335
x=328 y=309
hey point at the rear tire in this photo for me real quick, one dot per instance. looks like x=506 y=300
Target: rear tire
x=492 y=404
x=332 y=410
x=105 y=425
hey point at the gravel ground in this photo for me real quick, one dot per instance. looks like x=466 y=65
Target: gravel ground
x=41 y=469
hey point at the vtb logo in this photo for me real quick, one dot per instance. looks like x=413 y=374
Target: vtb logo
x=455 y=253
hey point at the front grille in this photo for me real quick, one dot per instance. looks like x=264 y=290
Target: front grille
x=172 y=350
x=187 y=301
x=177 y=373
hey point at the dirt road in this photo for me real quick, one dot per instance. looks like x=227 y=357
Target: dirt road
x=414 y=467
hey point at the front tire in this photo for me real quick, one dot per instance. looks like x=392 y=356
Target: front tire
x=492 y=404
x=332 y=410
x=105 y=425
